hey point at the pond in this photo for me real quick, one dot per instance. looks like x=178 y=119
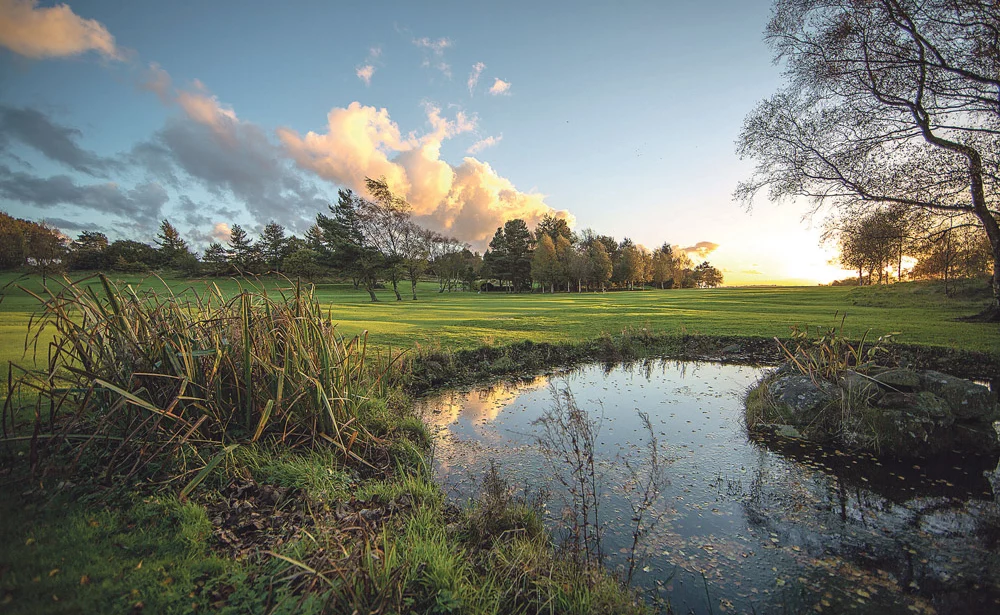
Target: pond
x=743 y=526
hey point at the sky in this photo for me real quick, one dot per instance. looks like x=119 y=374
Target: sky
x=621 y=118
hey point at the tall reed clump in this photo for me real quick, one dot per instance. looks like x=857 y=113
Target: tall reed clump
x=147 y=372
x=830 y=352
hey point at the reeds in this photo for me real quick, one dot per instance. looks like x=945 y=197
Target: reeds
x=151 y=370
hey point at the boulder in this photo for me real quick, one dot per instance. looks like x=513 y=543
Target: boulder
x=857 y=387
x=966 y=399
x=800 y=398
x=900 y=379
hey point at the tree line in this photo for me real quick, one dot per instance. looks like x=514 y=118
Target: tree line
x=880 y=245
x=374 y=243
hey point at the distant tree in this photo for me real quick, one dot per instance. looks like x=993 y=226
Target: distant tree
x=345 y=246
x=188 y=264
x=242 y=253
x=544 y=265
x=303 y=263
x=564 y=258
x=554 y=228
x=383 y=221
x=886 y=102
x=89 y=252
x=599 y=265
x=415 y=249
x=314 y=239
x=578 y=267
x=272 y=245
x=683 y=268
x=215 y=259
x=519 y=245
x=130 y=256
x=706 y=276
x=495 y=261
x=12 y=242
x=45 y=249
x=634 y=265
x=956 y=248
x=170 y=245
x=874 y=242
x=662 y=265
x=292 y=245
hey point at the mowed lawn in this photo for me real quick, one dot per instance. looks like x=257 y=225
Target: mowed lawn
x=916 y=312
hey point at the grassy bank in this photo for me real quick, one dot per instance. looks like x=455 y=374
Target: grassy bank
x=182 y=452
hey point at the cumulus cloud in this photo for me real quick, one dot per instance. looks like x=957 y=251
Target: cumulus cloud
x=468 y=201
x=500 y=87
x=433 y=50
x=701 y=249
x=365 y=73
x=366 y=70
x=477 y=69
x=751 y=272
x=221 y=232
x=141 y=205
x=482 y=144
x=59 y=143
x=52 y=32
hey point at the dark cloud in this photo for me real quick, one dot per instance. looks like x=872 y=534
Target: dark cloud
x=202 y=215
x=141 y=205
x=235 y=159
x=36 y=130
x=72 y=225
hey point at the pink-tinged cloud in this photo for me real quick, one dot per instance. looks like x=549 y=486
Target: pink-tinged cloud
x=53 y=32
x=482 y=144
x=701 y=249
x=468 y=201
x=365 y=73
x=198 y=104
x=500 y=87
x=477 y=69
x=221 y=232
x=437 y=46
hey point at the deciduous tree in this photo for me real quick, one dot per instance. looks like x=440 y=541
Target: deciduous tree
x=886 y=102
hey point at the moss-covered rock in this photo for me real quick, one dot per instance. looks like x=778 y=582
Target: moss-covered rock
x=903 y=412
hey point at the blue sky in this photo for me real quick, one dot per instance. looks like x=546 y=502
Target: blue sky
x=208 y=113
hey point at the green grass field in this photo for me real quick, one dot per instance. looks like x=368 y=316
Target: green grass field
x=919 y=313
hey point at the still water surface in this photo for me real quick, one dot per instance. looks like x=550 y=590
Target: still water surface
x=744 y=527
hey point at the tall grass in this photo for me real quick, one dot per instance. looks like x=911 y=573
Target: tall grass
x=150 y=371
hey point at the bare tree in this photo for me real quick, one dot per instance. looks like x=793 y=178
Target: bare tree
x=887 y=102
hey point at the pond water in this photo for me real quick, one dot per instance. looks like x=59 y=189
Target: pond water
x=743 y=526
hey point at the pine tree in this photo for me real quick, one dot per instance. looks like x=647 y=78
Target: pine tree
x=241 y=250
x=272 y=245
x=216 y=258
x=170 y=245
